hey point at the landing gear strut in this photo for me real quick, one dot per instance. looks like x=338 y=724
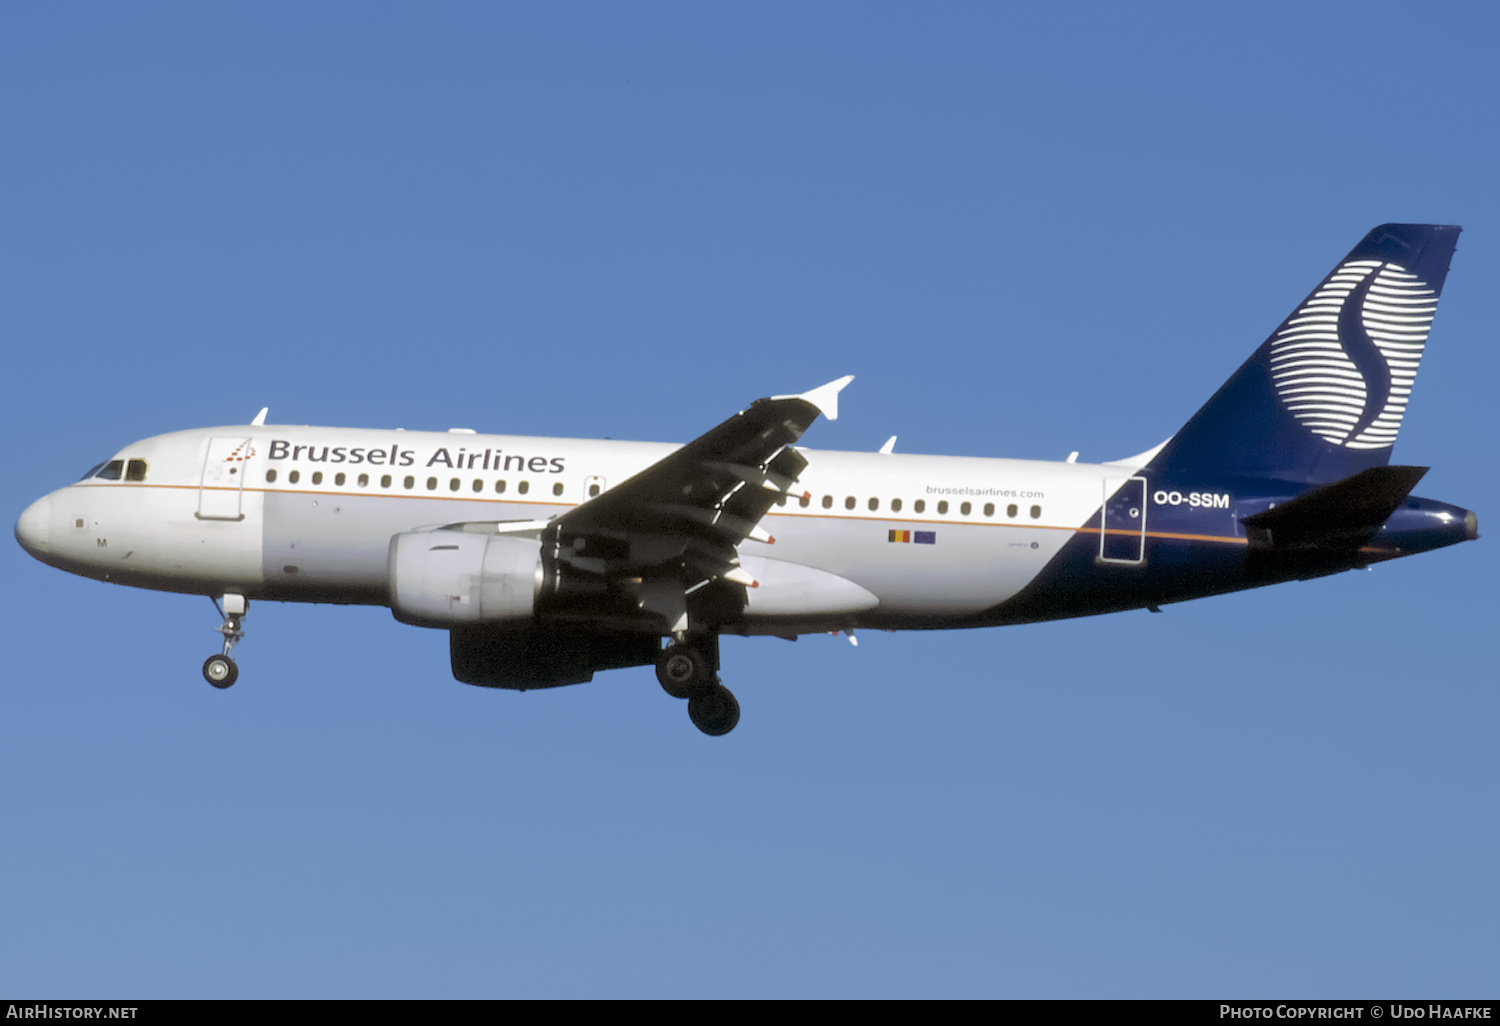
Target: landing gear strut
x=689 y=669
x=219 y=670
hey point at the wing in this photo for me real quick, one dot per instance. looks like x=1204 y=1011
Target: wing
x=658 y=550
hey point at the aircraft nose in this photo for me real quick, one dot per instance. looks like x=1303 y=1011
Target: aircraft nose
x=34 y=530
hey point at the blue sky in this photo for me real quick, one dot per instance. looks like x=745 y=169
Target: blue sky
x=1026 y=229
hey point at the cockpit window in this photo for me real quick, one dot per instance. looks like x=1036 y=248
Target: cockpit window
x=112 y=471
x=135 y=470
x=92 y=471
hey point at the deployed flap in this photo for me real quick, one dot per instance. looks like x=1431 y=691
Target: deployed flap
x=662 y=544
x=671 y=530
x=715 y=488
x=1343 y=514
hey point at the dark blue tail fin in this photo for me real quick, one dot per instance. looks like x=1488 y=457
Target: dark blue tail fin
x=1323 y=397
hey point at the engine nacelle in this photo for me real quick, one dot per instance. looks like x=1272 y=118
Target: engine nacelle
x=449 y=578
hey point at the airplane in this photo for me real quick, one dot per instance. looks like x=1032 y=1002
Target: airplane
x=548 y=559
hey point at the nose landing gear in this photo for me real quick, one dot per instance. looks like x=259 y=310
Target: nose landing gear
x=689 y=669
x=220 y=670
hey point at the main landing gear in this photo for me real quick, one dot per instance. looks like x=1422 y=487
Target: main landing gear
x=690 y=669
x=219 y=670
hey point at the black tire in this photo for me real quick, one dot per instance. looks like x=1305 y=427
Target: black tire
x=220 y=671
x=715 y=712
x=681 y=671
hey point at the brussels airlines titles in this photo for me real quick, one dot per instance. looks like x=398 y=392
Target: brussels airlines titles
x=395 y=456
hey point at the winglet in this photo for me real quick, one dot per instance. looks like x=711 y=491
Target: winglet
x=824 y=397
x=260 y=418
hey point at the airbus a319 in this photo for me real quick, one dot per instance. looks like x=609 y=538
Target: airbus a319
x=548 y=559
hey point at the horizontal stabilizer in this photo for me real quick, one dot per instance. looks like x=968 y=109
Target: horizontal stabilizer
x=1345 y=514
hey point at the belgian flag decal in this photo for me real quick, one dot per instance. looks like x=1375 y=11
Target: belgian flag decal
x=919 y=537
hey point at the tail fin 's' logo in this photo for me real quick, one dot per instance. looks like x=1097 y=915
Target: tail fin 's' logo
x=1345 y=361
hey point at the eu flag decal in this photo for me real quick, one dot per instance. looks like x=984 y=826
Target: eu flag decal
x=920 y=537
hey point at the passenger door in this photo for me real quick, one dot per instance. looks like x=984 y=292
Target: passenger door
x=1122 y=538
x=223 y=481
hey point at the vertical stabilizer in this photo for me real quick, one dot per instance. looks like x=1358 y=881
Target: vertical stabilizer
x=1323 y=397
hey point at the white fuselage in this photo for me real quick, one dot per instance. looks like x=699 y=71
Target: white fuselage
x=308 y=513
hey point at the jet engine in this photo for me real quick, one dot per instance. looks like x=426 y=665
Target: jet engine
x=447 y=578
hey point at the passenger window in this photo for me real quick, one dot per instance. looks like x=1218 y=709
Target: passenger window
x=478 y=485
x=385 y=480
x=1011 y=511
x=895 y=505
x=409 y=482
x=943 y=507
x=432 y=484
x=781 y=500
x=989 y=509
x=920 y=506
x=135 y=470
x=557 y=488
x=965 y=508
x=524 y=487
x=270 y=477
x=593 y=490
x=293 y=476
x=499 y=487
x=1036 y=512
x=364 y=480
x=454 y=485
x=317 y=477
x=112 y=471
x=828 y=502
x=340 y=478
x=849 y=502
x=805 y=501
x=874 y=505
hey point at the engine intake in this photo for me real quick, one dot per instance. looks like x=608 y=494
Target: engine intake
x=444 y=578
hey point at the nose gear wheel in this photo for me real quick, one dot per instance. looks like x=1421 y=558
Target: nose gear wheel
x=220 y=671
